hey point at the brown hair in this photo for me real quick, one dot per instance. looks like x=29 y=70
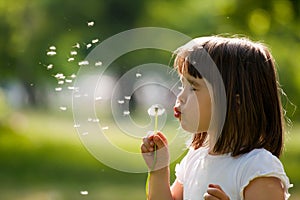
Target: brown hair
x=254 y=117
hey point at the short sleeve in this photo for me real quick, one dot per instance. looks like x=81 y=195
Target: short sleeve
x=261 y=163
x=179 y=170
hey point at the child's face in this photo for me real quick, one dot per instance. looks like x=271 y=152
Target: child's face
x=193 y=105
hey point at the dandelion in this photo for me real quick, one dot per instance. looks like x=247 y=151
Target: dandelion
x=154 y=111
x=99 y=63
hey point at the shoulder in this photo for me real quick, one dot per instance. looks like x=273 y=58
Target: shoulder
x=257 y=166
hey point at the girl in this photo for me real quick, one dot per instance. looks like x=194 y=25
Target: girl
x=234 y=152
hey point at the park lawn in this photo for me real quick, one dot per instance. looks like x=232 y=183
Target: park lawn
x=42 y=157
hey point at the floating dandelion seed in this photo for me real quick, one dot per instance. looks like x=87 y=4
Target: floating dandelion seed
x=69 y=81
x=85 y=95
x=76 y=125
x=84 y=62
x=88 y=45
x=91 y=23
x=99 y=63
x=63 y=108
x=50 y=66
x=52 y=48
x=51 y=53
x=84 y=192
x=60 y=76
x=121 y=101
x=73 y=76
x=95 y=41
x=138 y=75
x=58 y=89
x=127 y=97
x=70 y=59
x=77 y=95
x=84 y=133
x=77 y=45
x=126 y=112
x=73 y=53
x=71 y=87
x=105 y=128
x=98 y=98
x=89 y=119
x=60 y=82
x=96 y=120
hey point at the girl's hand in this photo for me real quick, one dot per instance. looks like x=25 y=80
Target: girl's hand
x=215 y=192
x=159 y=143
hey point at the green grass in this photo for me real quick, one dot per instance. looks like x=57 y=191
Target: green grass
x=42 y=157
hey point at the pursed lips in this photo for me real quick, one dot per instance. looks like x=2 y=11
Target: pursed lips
x=177 y=112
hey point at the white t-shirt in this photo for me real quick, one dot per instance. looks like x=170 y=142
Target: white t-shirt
x=198 y=169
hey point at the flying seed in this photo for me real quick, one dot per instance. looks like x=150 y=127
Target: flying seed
x=58 y=89
x=76 y=125
x=52 y=48
x=138 y=75
x=99 y=63
x=84 y=192
x=105 y=128
x=77 y=45
x=63 y=108
x=127 y=97
x=51 y=53
x=50 y=66
x=126 y=112
x=91 y=23
x=121 y=101
x=84 y=62
x=60 y=82
x=88 y=45
x=68 y=81
x=98 y=98
x=84 y=133
x=73 y=53
x=70 y=59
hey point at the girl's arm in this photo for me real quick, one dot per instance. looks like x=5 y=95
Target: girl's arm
x=264 y=188
x=159 y=183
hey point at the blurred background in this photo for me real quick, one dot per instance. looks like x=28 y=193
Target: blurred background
x=41 y=156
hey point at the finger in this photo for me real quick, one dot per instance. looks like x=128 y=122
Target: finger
x=163 y=137
x=215 y=186
x=159 y=141
x=217 y=192
x=149 y=144
x=207 y=196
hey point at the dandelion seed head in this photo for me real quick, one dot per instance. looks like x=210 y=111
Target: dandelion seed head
x=156 y=110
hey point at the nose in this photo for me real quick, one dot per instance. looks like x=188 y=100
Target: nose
x=180 y=97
